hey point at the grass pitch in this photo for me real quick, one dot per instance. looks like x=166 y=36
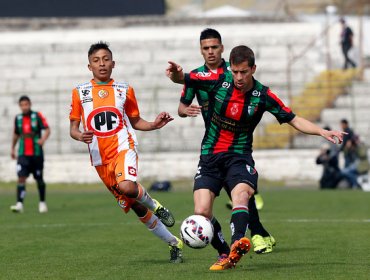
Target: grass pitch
x=320 y=235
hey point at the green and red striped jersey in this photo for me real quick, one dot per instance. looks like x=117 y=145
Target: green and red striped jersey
x=29 y=127
x=233 y=115
x=189 y=93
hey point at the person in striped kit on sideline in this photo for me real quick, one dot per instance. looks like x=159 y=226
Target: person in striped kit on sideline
x=28 y=127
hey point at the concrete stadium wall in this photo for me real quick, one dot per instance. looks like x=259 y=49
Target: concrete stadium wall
x=47 y=64
x=296 y=165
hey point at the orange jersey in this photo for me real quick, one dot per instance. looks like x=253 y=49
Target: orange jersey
x=105 y=109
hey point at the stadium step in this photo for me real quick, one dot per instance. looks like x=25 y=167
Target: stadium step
x=317 y=95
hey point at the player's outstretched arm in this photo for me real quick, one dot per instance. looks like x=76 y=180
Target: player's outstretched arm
x=191 y=110
x=308 y=127
x=74 y=131
x=175 y=73
x=160 y=121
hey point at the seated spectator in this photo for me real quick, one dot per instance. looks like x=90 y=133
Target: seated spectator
x=363 y=165
x=331 y=174
x=356 y=154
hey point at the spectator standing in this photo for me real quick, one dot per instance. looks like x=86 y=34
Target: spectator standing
x=346 y=41
x=349 y=135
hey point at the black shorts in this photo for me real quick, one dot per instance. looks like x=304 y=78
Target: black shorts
x=27 y=165
x=225 y=170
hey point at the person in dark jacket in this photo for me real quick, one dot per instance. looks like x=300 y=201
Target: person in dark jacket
x=346 y=41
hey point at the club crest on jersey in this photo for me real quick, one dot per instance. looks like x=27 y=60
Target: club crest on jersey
x=234 y=109
x=105 y=121
x=251 y=169
x=103 y=93
x=252 y=109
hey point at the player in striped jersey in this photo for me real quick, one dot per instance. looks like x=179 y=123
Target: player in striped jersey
x=236 y=104
x=211 y=48
x=28 y=129
x=109 y=113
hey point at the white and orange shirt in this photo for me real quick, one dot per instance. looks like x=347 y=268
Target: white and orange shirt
x=104 y=109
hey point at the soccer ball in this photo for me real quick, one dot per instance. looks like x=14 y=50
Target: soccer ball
x=196 y=231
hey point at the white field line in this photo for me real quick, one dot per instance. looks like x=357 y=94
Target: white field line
x=327 y=221
x=63 y=225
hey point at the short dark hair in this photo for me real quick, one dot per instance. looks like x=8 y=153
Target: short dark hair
x=241 y=54
x=24 y=98
x=101 y=45
x=210 y=33
x=344 y=121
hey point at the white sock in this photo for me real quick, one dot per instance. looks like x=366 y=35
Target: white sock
x=145 y=199
x=158 y=228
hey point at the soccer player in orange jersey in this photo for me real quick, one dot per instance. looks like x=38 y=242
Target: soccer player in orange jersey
x=109 y=114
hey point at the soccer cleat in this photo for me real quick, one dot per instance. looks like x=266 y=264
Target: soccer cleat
x=239 y=249
x=270 y=242
x=222 y=263
x=43 y=208
x=17 y=208
x=259 y=201
x=164 y=214
x=259 y=244
x=176 y=252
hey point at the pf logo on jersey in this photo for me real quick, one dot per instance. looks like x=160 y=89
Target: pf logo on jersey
x=131 y=170
x=105 y=121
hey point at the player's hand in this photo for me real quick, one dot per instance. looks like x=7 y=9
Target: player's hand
x=193 y=110
x=334 y=136
x=175 y=72
x=40 y=142
x=162 y=119
x=12 y=154
x=87 y=136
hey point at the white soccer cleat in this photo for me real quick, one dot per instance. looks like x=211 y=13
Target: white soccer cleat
x=17 y=208
x=43 y=208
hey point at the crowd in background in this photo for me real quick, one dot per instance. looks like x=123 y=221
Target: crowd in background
x=356 y=163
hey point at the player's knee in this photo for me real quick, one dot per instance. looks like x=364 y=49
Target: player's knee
x=204 y=211
x=22 y=180
x=241 y=195
x=129 y=188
